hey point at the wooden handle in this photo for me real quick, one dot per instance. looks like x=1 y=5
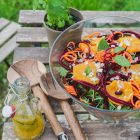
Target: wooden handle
x=72 y=120
x=48 y=110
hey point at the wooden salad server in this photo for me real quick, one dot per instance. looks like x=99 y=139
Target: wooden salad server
x=33 y=70
x=52 y=89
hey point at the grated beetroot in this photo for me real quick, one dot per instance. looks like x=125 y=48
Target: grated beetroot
x=131 y=32
x=105 y=75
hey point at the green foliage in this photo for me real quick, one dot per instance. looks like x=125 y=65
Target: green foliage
x=103 y=45
x=125 y=108
x=107 y=5
x=118 y=49
x=112 y=106
x=87 y=70
x=62 y=71
x=10 y=8
x=122 y=61
x=58 y=15
x=89 y=94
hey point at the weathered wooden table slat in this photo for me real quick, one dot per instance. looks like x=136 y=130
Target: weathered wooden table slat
x=31 y=17
x=42 y=54
x=3 y=23
x=38 y=34
x=7 y=37
x=93 y=128
x=8 y=47
x=32 y=35
x=10 y=30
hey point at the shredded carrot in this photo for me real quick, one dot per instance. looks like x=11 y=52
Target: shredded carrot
x=135 y=85
x=77 y=49
x=128 y=56
x=111 y=50
x=90 y=36
x=99 y=56
x=109 y=39
x=70 y=89
x=136 y=93
x=125 y=69
x=71 y=42
x=70 y=56
x=82 y=56
x=118 y=32
x=108 y=56
x=84 y=47
x=137 y=104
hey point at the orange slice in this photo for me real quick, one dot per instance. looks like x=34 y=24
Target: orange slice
x=80 y=74
x=125 y=88
x=132 y=43
x=135 y=69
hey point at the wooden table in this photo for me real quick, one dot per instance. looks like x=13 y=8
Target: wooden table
x=33 y=32
x=7 y=37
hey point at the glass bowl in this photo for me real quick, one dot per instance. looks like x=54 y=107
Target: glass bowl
x=74 y=33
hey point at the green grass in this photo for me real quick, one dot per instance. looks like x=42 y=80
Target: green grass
x=103 y=5
x=10 y=9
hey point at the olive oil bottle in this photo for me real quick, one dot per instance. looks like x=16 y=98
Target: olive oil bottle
x=27 y=120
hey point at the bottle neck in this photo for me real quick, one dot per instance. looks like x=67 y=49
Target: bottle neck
x=22 y=88
x=23 y=98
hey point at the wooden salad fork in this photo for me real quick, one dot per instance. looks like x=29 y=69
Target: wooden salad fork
x=52 y=89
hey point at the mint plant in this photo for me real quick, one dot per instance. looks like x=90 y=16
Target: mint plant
x=58 y=14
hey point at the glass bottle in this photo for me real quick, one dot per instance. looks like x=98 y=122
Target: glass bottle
x=27 y=120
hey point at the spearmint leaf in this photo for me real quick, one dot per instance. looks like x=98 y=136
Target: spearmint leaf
x=102 y=45
x=118 y=49
x=87 y=70
x=63 y=72
x=122 y=61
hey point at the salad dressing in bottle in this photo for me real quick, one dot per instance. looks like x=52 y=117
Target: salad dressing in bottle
x=27 y=119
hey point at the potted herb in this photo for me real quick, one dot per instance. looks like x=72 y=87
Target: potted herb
x=59 y=16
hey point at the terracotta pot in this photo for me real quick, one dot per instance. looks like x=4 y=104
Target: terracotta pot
x=53 y=34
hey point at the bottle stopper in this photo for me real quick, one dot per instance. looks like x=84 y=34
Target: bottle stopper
x=8 y=111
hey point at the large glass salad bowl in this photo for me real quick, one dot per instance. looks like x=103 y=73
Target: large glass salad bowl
x=96 y=63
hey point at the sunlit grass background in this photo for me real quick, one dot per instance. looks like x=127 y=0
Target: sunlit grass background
x=10 y=9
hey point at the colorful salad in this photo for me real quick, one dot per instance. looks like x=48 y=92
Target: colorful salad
x=103 y=70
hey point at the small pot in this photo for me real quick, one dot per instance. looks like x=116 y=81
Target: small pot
x=52 y=34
